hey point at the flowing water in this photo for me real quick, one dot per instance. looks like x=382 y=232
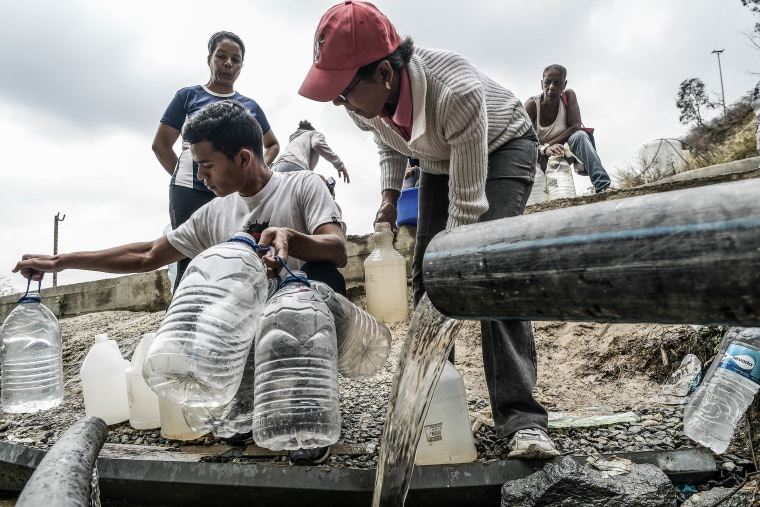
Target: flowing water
x=95 y=492
x=422 y=358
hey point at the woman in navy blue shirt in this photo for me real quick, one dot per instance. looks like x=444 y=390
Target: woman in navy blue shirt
x=187 y=192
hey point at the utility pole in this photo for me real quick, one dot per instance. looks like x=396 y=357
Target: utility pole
x=58 y=218
x=722 y=93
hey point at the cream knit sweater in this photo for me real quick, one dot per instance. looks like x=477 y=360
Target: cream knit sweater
x=460 y=116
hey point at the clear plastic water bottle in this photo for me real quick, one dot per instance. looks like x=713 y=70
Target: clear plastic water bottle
x=715 y=408
x=385 y=278
x=199 y=352
x=296 y=403
x=104 y=381
x=364 y=343
x=30 y=357
x=539 y=193
x=559 y=178
x=232 y=418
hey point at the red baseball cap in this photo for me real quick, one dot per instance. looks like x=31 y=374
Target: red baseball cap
x=349 y=36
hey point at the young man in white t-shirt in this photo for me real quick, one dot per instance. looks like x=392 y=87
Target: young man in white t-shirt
x=291 y=213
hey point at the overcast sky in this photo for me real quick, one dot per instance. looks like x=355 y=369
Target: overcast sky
x=85 y=82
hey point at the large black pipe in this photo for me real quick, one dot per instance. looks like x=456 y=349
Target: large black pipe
x=686 y=256
x=64 y=476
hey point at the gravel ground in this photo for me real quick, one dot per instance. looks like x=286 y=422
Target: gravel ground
x=363 y=406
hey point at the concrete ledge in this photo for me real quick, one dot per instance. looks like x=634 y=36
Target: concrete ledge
x=151 y=292
x=140 y=480
x=142 y=292
x=737 y=166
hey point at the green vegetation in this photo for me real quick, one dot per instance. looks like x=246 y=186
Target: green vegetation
x=716 y=141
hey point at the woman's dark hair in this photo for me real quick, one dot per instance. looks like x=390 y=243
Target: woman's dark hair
x=559 y=68
x=399 y=58
x=220 y=36
x=305 y=125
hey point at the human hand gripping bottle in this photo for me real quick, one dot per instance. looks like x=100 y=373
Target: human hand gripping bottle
x=200 y=349
x=30 y=357
x=296 y=403
x=730 y=385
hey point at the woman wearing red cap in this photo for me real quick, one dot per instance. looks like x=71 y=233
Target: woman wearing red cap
x=477 y=151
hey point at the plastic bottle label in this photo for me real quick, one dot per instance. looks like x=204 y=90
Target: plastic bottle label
x=743 y=361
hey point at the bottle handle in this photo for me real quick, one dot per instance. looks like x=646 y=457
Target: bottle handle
x=26 y=298
x=292 y=277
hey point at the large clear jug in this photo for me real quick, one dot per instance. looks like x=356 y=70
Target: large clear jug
x=30 y=357
x=296 y=383
x=364 y=342
x=200 y=348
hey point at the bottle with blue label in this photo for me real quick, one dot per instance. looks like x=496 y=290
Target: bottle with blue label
x=730 y=385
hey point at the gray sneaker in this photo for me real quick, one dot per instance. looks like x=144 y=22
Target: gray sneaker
x=531 y=443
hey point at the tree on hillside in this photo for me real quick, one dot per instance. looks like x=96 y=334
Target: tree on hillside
x=6 y=287
x=754 y=6
x=692 y=101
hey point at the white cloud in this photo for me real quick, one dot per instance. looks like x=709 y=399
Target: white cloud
x=84 y=84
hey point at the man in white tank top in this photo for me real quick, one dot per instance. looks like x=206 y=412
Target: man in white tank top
x=556 y=118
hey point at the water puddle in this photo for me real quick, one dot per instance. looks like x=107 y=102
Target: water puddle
x=422 y=358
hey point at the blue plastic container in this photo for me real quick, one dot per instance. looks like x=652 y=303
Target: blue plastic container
x=407 y=207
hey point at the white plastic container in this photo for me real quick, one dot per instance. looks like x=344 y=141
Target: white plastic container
x=104 y=381
x=143 y=403
x=173 y=425
x=385 y=278
x=447 y=435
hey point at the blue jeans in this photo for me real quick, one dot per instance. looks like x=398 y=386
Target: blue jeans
x=509 y=352
x=581 y=146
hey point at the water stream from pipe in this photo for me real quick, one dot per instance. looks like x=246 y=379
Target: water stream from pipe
x=426 y=347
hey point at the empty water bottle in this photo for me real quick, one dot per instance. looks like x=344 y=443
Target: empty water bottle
x=296 y=383
x=232 y=418
x=104 y=381
x=539 y=193
x=729 y=387
x=559 y=178
x=200 y=348
x=364 y=343
x=30 y=357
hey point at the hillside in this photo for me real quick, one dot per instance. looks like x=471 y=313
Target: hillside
x=725 y=138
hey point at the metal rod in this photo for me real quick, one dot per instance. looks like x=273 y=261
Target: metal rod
x=686 y=256
x=720 y=71
x=58 y=218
